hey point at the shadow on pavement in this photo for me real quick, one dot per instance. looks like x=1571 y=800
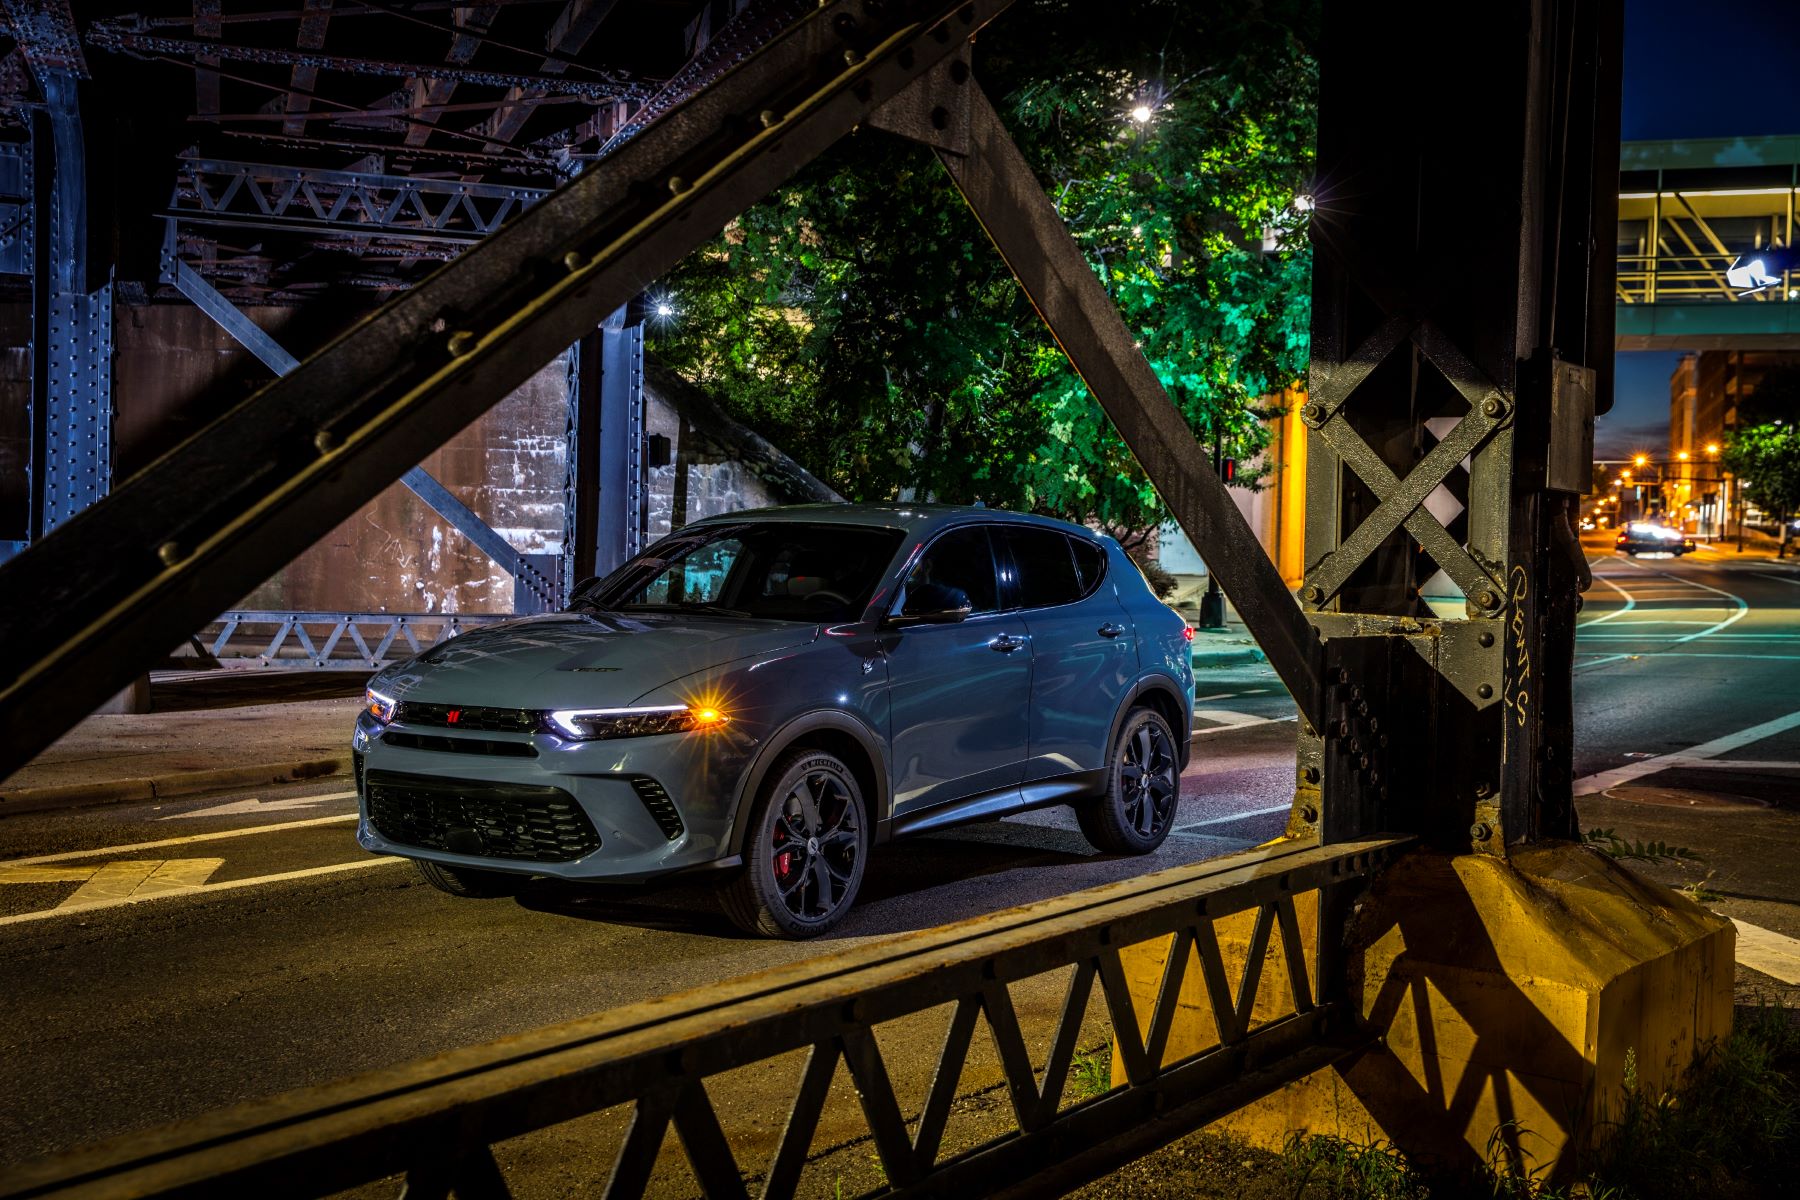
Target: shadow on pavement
x=895 y=872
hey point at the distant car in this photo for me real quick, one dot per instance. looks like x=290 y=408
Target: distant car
x=1643 y=537
x=768 y=695
x=1587 y=523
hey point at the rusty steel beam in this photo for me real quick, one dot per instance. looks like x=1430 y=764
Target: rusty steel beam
x=429 y=94
x=303 y=77
x=188 y=535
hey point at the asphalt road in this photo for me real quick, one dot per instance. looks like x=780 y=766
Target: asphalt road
x=164 y=960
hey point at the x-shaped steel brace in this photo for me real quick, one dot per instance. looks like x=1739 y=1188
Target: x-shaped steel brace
x=1402 y=501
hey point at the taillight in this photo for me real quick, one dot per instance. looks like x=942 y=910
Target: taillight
x=1187 y=631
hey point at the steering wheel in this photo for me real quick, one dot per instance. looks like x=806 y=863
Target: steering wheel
x=829 y=597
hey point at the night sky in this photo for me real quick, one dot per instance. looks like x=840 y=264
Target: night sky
x=1714 y=70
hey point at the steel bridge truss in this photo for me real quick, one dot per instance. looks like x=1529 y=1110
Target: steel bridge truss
x=359 y=205
x=175 y=545
x=435 y=1124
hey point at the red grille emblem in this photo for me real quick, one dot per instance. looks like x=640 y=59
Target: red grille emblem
x=453 y=716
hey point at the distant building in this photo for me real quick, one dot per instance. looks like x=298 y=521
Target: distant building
x=1705 y=391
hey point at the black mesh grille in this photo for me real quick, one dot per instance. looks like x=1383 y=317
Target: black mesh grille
x=662 y=809
x=471 y=717
x=459 y=745
x=494 y=820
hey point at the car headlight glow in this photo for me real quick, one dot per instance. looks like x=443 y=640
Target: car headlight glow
x=380 y=707
x=588 y=723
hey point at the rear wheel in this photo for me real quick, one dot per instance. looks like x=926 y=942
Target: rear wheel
x=1143 y=785
x=804 y=852
x=469 y=882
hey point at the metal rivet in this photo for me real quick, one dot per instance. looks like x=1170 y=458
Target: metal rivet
x=1312 y=593
x=1480 y=831
x=460 y=342
x=1486 y=599
x=677 y=185
x=851 y=58
x=1313 y=414
x=940 y=117
x=1492 y=407
x=1485 y=691
x=325 y=441
x=1485 y=638
x=769 y=118
x=572 y=261
x=170 y=553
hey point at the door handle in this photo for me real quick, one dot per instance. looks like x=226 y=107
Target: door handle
x=1111 y=629
x=1006 y=643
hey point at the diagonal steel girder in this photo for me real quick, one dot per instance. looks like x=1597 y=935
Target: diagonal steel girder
x=187 y=536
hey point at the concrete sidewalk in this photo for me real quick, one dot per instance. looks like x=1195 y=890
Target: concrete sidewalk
x=115 y=758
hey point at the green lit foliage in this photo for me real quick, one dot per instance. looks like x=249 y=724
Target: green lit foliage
x=1767 y=459
x=860 y=319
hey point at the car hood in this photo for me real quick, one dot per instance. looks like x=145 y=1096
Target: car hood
x=581 y=659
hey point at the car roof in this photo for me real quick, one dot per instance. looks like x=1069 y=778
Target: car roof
x=922 y=519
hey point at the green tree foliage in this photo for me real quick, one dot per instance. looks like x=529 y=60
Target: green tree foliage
x=860 y=318
x=1767 y=459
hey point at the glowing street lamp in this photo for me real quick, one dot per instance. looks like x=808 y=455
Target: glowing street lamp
x=1683 y=456
x=1641 y=460
x=1712 y=447
x=1142 y=114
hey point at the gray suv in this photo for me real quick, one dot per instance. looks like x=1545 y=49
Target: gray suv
x=768 y=695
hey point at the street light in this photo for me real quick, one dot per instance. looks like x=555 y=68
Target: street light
x=1683 y=456
x=1641 y=460
x=1712 y=447
x=1142 y=114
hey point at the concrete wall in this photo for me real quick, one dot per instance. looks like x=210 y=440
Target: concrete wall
x=697 y=482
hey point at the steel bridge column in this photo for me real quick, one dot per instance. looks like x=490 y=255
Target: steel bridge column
x=619 y=527
x=1458 y=348
x=71 y=370
x=604 y=500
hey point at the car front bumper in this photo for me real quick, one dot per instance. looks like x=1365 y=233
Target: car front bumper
x=623 y=809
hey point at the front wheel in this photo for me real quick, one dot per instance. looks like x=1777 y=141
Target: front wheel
x=804 y=852
x=1143 y=785
x=469 y=882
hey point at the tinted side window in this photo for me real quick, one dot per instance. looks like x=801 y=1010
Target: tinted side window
x=956 y=569
x=1046 y=569
x=1090 y=562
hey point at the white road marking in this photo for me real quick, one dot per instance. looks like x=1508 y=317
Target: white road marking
x=1220 y=696
x=1603 y=780
x=119 y=851
x=1245 y=724
x=1630 y=603
x=208 y=890
x=234 y=808
x=1767 y=951
x=1226 y=716
x=1228 y=818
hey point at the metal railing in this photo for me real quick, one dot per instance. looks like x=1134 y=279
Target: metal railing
x=432 y=1125
x=328 y=640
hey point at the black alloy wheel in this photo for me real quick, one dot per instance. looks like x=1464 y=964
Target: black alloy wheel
x=805 y=850
x=1142 y=790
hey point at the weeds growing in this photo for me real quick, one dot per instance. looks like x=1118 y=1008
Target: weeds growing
x=1731 y=1130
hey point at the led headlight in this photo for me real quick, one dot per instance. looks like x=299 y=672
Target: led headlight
x=380 y=707
x=634 y=722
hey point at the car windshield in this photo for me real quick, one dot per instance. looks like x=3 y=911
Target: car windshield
x=775 y=570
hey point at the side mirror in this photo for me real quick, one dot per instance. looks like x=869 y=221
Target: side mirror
x=935 y=616
x=932 y=604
